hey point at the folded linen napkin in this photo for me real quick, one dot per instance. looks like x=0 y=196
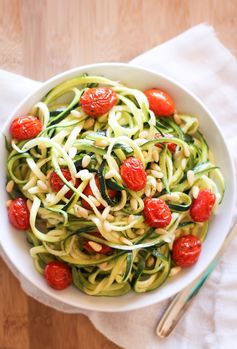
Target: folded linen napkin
x=200 y=62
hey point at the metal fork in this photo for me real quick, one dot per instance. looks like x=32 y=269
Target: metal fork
x=183 y=299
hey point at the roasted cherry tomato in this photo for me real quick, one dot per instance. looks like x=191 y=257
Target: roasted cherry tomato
x=104 y=250
x=201 y=207
x=56 y=183
x=156 y=213
x=25 y=127
x=88 y=191
x=133 y=174
x=160 y=102
x=19 y=215
x=97 y=101
x=186 y=250
x=171 y=146
x=58 y=275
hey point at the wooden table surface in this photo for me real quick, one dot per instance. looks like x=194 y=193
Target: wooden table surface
x=40 y=38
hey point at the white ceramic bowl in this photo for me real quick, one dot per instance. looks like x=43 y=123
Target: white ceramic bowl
x=14 y=243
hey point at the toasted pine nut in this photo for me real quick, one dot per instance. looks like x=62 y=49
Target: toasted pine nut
x=157 y=174
x=81 y=211
x=183 y=163
x=150 y=261
x=155 y=167
x=84 y=175
x=76 y=114
x=29 y=204
x=177 y=119
x=10 y=186
x=148 y=191
x=86 y=160
x=174 y=271
x=195 y=191
x=134 y=204
x=140 y=231
x=186 y=151
x=42 y=185
x=190 y=177
x=159 y=186
x=155 y=155
x=96 y=247
x=88 y=123
x=8 y=203
x=131 y=218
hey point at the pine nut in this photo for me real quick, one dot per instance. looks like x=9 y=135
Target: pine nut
x=174 y=271
x=110 y=217
x=155 y=155
x=86 y=160
x=160 y=231
x=134 y=204
x=131 y=218
x=8 y=203
x=84 y=175
x=195 y=191
x=72 y=152
x=42 y=185
x=190 y=177
x=177 y=119
x=88 y=123
x=104 y=266
x=10 y=186
x=186 y=151
x=81 y=211
x=157 y=174
x=183 y=164
x=140 y=231
x=150 y=261
x=155 y=167
x=148 y=191
x=96 y=247
x=110 y=174
x=76 y=114
x=159 y=186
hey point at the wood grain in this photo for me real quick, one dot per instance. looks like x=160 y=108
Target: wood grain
x=40 y=38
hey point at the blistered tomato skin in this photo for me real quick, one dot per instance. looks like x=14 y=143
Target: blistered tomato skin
x=88 y=191
x=97 y=101
x=25 y=127
x=58 y=275
x=19 y=215
x=157 y=213
x=104 y=250
x=160 y=102
x=186 y=250
x=133 y=174
x=201 y=208
x=56 y=183
x=171 y=146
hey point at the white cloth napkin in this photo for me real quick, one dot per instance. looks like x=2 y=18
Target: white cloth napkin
x=199 y=61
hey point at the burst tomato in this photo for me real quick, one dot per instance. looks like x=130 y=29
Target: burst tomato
x=156 y=212
x=25 y=127
x=97 y=101
x=202 y=206
x=133 y=174
x=186 y=250
x=56 y=183
x=58 y=275
x=19 y=215
x=160 y=102
x=104 y=250
x=171 y=146
x=88 y=191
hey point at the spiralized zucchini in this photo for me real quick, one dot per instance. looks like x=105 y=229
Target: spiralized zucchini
x=141 y=256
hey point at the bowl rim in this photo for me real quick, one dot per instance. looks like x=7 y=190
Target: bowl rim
x=68 y=74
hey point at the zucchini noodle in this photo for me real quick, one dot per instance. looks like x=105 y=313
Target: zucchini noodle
x=139 y=256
